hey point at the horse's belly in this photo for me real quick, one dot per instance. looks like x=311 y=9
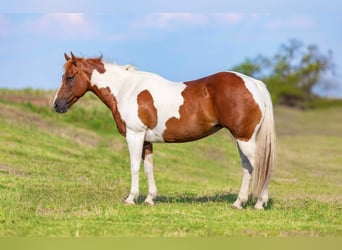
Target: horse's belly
x=179 y=134
x=189 y=133
x=154 y=135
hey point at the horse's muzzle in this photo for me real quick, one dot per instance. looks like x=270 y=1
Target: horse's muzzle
x=60 y=106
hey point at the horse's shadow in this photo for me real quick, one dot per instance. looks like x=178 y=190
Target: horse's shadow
x=184 y=198
x=192 y=199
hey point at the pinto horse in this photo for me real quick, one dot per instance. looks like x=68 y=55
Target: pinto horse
x=148 y=108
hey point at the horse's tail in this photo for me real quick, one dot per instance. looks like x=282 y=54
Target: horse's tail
x=265 y=153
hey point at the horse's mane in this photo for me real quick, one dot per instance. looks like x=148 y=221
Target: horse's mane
x=129 y=67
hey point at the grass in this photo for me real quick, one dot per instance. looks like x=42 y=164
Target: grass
x=67 y=175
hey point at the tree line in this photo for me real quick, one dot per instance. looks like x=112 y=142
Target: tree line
x=292 y=73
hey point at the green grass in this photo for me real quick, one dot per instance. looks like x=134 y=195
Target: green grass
x=67 y=175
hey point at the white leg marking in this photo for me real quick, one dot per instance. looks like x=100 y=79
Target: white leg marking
x=135 y=143
x=243 y=194
x=152 y=188
x=246 y=150
x=263 y=199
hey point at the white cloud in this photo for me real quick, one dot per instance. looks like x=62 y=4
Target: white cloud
x=229 y=18
x=290 y=22
x=5 y=26
x=174 y=20
x=41 y=6
x=61 y=26
x=170 y=20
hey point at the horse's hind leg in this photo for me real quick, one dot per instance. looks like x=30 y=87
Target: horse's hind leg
x=147 y=156
x=246 y=150
x=263 y=199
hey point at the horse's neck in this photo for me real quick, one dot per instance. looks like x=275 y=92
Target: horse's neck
x=118 y=80
x=105 y=95
x=108 y=98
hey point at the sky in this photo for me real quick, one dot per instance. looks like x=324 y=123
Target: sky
x=181 y=39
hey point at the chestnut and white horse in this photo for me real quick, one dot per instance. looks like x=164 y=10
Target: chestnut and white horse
x=148 y=108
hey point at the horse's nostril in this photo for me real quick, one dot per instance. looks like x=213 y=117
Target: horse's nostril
x=56 y=107
x=60 y=106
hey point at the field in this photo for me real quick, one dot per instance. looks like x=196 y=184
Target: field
x=67 y=175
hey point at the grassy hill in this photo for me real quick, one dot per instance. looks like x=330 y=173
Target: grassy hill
x=67 y=175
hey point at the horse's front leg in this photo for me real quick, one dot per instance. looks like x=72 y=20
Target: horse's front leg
x=147 y=156
x=135 y=141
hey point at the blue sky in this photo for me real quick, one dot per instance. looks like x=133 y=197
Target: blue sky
x=177 y=39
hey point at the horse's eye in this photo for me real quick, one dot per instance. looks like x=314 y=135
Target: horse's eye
x=69 y=79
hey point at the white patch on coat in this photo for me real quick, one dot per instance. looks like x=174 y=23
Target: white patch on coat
x=126 y=85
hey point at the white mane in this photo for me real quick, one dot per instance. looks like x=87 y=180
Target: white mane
x=129 y=68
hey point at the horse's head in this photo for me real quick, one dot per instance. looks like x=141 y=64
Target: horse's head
x=75 y=80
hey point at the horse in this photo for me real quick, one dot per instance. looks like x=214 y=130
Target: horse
x=148 y=108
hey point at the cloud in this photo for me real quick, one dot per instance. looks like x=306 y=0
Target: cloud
x=41 y=6
x=290 y=23
x=169 y=20
x=228 y=18
x=5 y=26
x=180 y=20
x=61 y=26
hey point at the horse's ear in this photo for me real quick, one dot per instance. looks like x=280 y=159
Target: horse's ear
x=73 y=57
x=67 y=58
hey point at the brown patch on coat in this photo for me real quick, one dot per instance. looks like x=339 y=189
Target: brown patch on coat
x=147 y=112
x=197 y=116
x=236 y=108
x=147 y=149
x=93 y=63
x=213 y=102
x=110 y=101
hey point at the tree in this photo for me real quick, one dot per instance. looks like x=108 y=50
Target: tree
x=292 y=73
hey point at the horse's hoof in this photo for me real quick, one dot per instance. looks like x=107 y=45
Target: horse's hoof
x=129 y=202
x=260 y=205
x=259 y=208
x=149 y=203
x=237 y=206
